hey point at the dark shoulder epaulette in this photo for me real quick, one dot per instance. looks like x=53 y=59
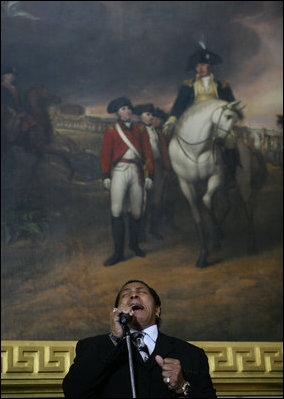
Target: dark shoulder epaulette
x=188 y=82
x=109 y=127
x=224 y=84
x=141 y=126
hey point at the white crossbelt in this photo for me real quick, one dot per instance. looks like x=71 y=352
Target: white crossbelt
x=126 y=141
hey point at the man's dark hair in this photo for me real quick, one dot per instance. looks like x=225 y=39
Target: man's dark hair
x=151 y=290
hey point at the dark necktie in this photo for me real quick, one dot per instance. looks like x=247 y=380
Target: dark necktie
x=138 y=340
x=128 y=127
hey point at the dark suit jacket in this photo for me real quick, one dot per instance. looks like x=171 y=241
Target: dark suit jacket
x=186 y=96
x=101 y=369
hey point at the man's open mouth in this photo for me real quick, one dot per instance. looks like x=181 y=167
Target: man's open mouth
x=136 y=307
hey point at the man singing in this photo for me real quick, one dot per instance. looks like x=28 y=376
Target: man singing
x=164 y=366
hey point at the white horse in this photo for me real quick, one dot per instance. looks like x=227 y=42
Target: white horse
x=195 y=157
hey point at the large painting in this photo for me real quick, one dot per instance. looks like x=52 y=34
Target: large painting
x=69 y=60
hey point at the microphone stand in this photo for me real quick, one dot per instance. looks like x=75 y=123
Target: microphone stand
x=130 y=359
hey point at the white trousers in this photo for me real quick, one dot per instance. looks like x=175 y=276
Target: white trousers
x=159 y=180
x=126 y=190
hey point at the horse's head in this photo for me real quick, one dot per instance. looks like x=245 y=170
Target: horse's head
x=40 y=94
x=226 y=116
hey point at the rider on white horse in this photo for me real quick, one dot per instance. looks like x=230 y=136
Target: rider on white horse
x=202 y=88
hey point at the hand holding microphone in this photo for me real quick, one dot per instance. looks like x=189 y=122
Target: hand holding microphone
x=119 y=317
x=124 y=318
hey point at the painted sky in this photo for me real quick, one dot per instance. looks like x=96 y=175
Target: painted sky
x=90 y=52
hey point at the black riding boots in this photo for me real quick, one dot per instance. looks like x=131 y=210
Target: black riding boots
x=118 y=233
x=156 y=216
x=134 y=230
x=232 y=160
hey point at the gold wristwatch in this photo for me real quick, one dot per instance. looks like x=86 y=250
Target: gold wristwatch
x=186 y=388
x=114 y=338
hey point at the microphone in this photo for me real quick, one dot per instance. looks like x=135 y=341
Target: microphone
x=124 y=318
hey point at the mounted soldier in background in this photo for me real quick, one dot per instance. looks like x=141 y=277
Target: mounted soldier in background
x=15 y=121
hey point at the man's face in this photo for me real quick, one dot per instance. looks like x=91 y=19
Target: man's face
x=203 y=70
x=8 y=77
x=147 y=118
x=125 y=113
x=138 y=296
x=157 y=122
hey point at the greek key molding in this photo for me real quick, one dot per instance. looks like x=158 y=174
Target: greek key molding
x=246 y=358
x=36 y=359
x=36 y=368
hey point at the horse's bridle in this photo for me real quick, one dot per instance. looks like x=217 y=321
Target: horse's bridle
x=217 y=127
x=224 y=108
x=198 y=142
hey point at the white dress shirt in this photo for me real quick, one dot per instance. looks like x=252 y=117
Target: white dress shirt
x=150 y=337
x=154 y=140
x=206 y=82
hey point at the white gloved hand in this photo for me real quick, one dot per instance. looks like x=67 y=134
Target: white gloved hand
x=148 y=183
x=107 y=184
x=169 y=125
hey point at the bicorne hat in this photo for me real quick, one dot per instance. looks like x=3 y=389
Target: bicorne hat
x=202 y=56
x=8 y=69
x=159 y=113
x=116 y=104
x=141 y=108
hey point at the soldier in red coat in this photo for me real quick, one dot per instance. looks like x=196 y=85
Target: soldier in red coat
x=127 y=167
x=162 y=165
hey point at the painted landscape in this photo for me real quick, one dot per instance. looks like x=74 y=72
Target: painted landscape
x=66 y=61
x=54 y=284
